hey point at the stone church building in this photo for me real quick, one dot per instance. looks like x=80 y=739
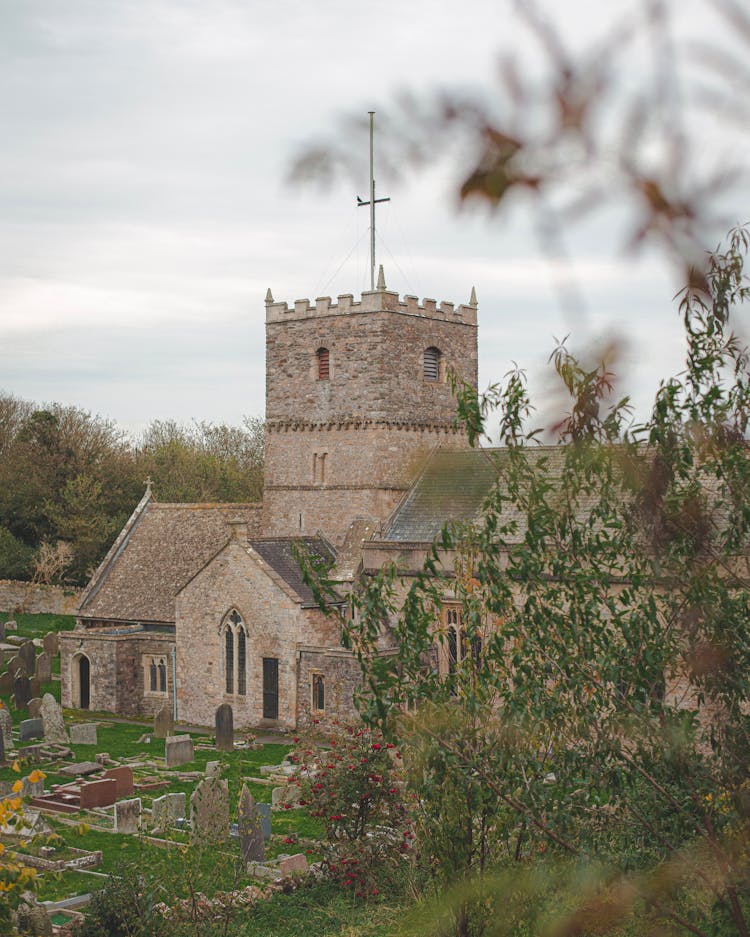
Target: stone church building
x=196 y=605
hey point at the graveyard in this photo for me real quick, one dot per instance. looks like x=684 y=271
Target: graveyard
x=213 y=812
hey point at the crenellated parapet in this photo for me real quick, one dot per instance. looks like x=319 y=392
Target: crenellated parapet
x=371 y=301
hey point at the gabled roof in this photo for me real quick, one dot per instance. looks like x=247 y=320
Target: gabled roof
x=160 y=548
x=454 y=487
x=279 y=555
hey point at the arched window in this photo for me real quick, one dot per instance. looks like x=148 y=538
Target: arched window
x=324 y=364
x=152 y=676
x=229 y=659
x=162 y=677
x=241 y=661
x=432 y=364
x=318 y=692
x=452 y=650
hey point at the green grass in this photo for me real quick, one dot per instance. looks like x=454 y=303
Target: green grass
x=36 y=626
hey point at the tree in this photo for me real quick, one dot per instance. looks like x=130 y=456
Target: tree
x=607 y=581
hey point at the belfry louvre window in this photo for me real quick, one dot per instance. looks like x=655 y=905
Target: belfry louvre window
x=324 y=364
x=432 y=364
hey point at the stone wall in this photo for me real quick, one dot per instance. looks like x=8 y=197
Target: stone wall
x=275 y=623
x=342 y=676
x=37 y=599
x=116 y=663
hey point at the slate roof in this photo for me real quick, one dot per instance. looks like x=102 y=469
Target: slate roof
x=279 y=556
x=161 y=547
x=453 y=487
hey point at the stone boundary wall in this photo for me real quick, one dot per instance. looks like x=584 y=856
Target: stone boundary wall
x=51 y=600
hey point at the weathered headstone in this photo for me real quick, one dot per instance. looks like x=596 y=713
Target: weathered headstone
x=165 y=810
x=27 y=653
x=163 y=723
x=31 y=729
x=21 y=691
x=250 y=829
x=51 y=643
x=225 y=728
x=123 y=776
x=6 y=725
x=2 y=629
x=213 y=769
x=209 y=810
x=44 y=667
x=98 y=793
x=264 y=812
x=6 y=683
x=292 y=865
x=35 y=687
x=83 y=733
x=79 y=769
x=128 y=815
x=32 y=788
x=52 y=717
x=34 y=707
x=34 y=920
x=288 y=794
x=2 y=749
x=178 y=750
x=15 y=664
x=11 y=624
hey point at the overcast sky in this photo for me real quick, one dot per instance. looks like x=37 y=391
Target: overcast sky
x=145 y=206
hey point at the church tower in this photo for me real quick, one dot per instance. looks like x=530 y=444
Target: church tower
x=356 y=398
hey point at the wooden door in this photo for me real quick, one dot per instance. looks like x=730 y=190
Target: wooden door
x=270 y=688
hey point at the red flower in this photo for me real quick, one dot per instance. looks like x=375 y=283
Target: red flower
x=389 y=745
x=376 y=746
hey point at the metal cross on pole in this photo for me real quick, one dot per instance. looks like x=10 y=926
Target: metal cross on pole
x=372 y=203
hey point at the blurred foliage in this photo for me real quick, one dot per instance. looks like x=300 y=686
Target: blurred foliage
x=70 y=479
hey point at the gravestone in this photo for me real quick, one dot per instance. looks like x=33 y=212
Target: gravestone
x=224 y=728
x=52 y=717
x=44 y=667
x=27 y=653
x=35 y=686
x=6 y=725
x=11 y=624
x=213 y=769
x=128 y=815
x=15 y=664
x=31 y=729
x=264 y=812
x=34 y=920
x=98 y=793
x=288 y=794
x=292 y=865
x=79 y=769
x=165 y=810
x=250 y=829
x=2 y=630
x=123 y=776
x=178 y=750
x=2 y=749
x=209 y=810
x=6 y=683
x=163 y=723
x=34 y=707
x=51 y=643
x=83 y=733
x=21 y=691
x=32 y=788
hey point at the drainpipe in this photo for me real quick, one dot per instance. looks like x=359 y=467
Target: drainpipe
x=173 y=652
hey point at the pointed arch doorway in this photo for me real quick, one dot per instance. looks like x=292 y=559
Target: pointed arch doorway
x=84 y=682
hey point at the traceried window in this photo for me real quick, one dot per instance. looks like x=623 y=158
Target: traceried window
x=152 y=676
x=241 y=661
x=235 y=655
x=229 y=659
x=323 y=364
x=456 y=646
x=431 y=366
x=162 y=676
x=318 y=692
